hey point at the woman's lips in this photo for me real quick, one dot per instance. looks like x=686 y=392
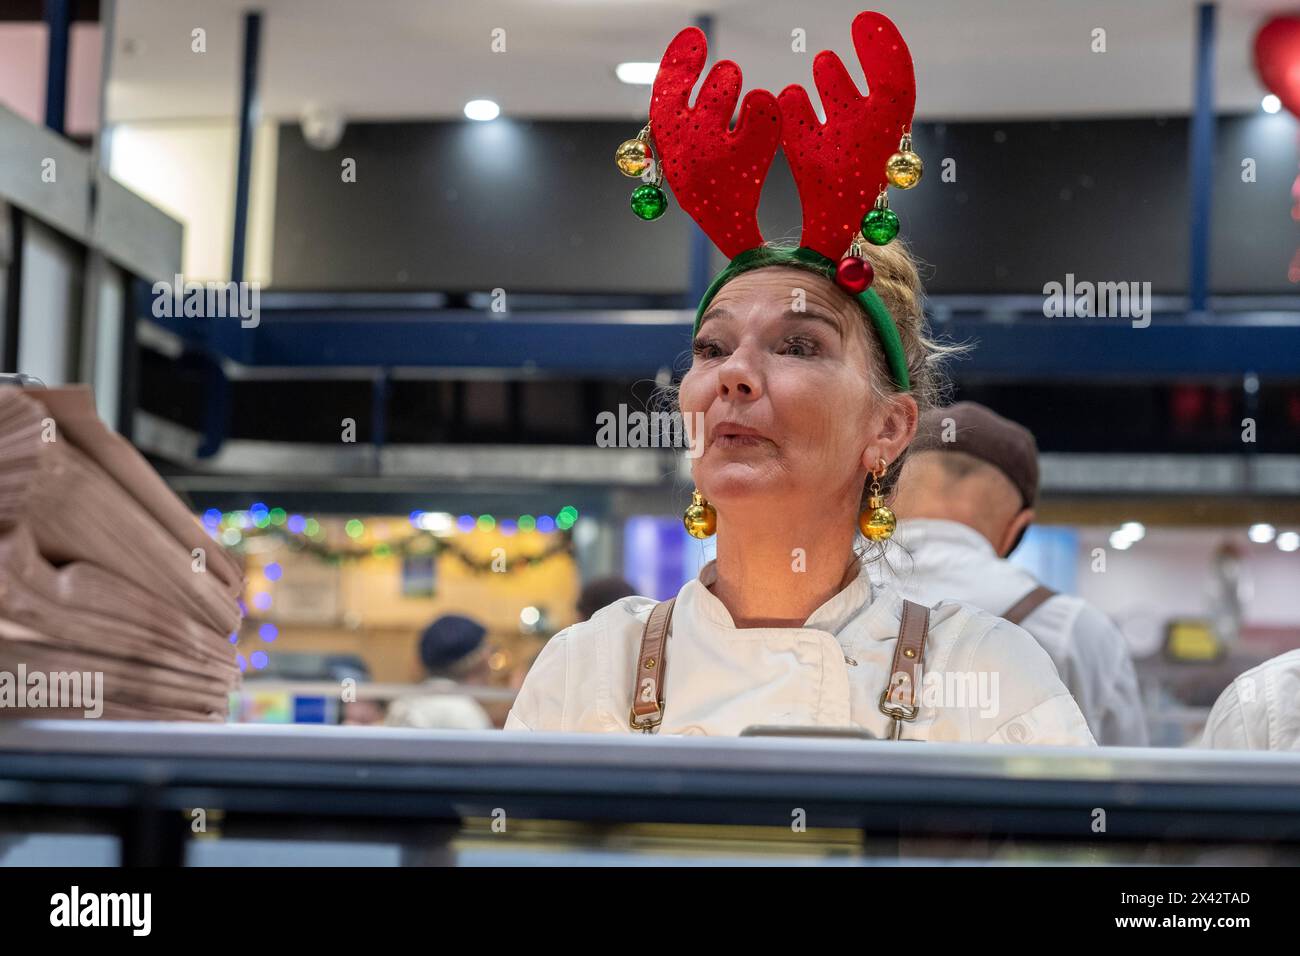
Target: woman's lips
x=734 y=435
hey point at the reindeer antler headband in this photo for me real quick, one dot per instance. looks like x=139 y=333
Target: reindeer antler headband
x=841 y=167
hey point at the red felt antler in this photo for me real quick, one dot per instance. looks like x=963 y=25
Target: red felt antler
x=839 y=165
x=716 y=174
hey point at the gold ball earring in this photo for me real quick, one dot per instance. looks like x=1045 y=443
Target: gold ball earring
x=701 y=518
x=875 y=521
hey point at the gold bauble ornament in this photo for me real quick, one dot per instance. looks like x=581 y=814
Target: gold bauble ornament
x=905 y=167
x=877 y=522
x=700 y=519
x=633 y=157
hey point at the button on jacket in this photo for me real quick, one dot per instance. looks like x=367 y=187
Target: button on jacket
x=984 y=680
x=929 y=559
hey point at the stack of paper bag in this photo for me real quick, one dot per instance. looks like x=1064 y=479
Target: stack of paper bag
x=104 y=573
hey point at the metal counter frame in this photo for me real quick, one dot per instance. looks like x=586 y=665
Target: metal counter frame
x=136 y=780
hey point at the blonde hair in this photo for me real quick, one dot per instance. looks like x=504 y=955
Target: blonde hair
x=898 y=283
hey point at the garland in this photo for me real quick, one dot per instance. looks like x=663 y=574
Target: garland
x=420 y=544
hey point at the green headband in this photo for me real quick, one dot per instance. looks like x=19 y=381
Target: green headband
x=762 y=256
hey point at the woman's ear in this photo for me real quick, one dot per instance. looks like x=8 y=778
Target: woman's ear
x=895 y=432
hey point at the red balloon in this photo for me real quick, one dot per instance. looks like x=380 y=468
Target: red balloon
x=854 y=275
x=1277 y=60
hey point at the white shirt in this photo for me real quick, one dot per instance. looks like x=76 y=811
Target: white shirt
x=1260 y=710
x=828 y=673
x=442 y=709
x=929 y=559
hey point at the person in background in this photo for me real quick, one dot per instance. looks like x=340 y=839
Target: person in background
x=965 y=498
x=1260 y=710
x=363 y=712
x=454 y=652
x=600 y=593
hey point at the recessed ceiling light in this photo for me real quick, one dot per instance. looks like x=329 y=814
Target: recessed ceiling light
x=1261 y=533
x=482 y=110
x=1134 y=530
x=637 y=74
x=1288 y=541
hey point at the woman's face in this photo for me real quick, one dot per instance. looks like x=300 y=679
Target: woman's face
x=781 y=379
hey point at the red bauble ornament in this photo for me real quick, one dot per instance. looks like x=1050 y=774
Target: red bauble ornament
x=854 y=275
x=1277 y=60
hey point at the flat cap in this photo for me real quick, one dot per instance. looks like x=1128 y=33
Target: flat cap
x=982 y=433
x=449 y=640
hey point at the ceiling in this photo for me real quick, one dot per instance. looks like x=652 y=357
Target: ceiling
x=388 y=59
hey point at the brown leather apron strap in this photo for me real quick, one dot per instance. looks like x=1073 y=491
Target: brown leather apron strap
x=1028 y=604
x=648 y=689
x=900 y=699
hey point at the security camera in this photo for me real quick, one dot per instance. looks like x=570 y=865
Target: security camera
x=322 y=127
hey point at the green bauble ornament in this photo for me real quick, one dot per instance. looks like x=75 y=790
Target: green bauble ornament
x=649 y=202
x=880 y=226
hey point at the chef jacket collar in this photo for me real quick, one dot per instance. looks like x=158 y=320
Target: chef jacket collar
x=913 y=532
x=855 y=594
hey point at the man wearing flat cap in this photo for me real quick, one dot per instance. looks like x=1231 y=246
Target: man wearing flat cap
x=964 y=500
x=454 y=652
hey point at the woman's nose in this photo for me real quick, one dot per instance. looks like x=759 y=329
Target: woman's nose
x=737 y=378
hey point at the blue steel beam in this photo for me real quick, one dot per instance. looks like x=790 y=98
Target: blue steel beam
x=248 y=111
x=619 y=344
x=58 y=23
x=1202 y=161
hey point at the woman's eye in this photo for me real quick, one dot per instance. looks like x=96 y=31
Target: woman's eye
x=706 y=348
x=800 y=347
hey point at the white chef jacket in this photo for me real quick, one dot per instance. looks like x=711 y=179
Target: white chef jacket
x=1260 y=710
x=440 y=709
x=829 y=673
x=928 y=559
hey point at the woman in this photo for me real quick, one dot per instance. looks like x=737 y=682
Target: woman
x=808 y=386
